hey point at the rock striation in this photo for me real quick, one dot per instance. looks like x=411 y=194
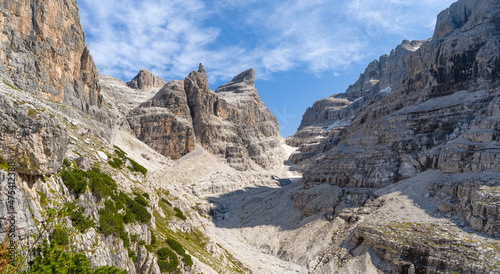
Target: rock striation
x=164 y=122
x=43 y=50
x=427 y=105
x=232 y=122
x=146 y=80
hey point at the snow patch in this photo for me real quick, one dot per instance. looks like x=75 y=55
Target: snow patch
x=385 y=91
x=357 y=99
x=339 y=123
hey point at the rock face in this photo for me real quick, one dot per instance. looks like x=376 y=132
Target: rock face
x=31 y=138
x=430 y=105
x=164 y=122
x=146 y=80
x=437 y=111
x=44 y=51
x=231 y=122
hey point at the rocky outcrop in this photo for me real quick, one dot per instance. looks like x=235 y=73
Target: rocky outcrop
x=327 y=116
x=164 y=122
x=429 y=105
x=44 y=51
x=30 y=137
x=146 y=80
x=231 y=122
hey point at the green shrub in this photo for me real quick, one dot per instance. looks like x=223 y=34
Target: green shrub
x=141 y=200
x=116 y=162
x=51 y=259
x=131 y=254
x=153 y=237
x=75 y=180
x=134 y=238
x=168 y=267
x=66 y=163
x=43 y=198
x=141 y=213
x=179 y=213
x=176 y=246
x=101 y=184
x=109 y=270
x=110 y=222
x=78 y=220
x=137 y=167
x=122 y=154
x=142 y=242
x=166 y=201
x=146 y=195
x=167 y=260
x=187 y=260
x=59 y=237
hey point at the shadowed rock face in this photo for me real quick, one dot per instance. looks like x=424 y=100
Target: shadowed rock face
x=146 y=80
x=231 y=122
x=428 y=105
x=43 y=49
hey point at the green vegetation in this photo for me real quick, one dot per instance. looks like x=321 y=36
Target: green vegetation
x=59 y=237
x=3 y=164
x=110 y=222
x=137 y=167
x=140 y=199
x=166 y=201
x=109 y=270
x=51 y=259
x=176 y=246
x=179 y=213
x=153 y=238
x=120 y=152
x=188 y=261
x=101 y=184
x=131 y=254
x=116 y=162
x=167 y=260
x=43 y=198
x=75 y=180
x=78 y=220
x=66 y=163
x=146 y=195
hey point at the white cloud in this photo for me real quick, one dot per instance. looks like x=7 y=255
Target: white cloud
x=228 y=36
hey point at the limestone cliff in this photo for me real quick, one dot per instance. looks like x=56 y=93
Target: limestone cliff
x=43 y=50
x=231 y=122
x=428 y=106
x=164 y=122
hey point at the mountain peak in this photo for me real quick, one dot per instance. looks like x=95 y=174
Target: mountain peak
x=248 y=76
x=146 y=80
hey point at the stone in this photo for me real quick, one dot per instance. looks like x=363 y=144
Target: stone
x=35 y=141
x=445 y=207
x=164 y=122
x=44 y=50
x=102 y=155
x=83 y=163
x=146 y=80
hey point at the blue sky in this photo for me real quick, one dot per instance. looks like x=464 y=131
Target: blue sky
x=302 y=50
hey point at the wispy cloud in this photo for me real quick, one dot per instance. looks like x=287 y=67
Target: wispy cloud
x=228 y=36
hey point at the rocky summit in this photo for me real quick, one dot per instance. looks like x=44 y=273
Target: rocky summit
x=398 y=174
x=146 y=80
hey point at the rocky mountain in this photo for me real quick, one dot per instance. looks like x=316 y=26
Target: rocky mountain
x=43 y=50
x=399 y=174
x=146 y=80
x=231 y=122
x=428 y=106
